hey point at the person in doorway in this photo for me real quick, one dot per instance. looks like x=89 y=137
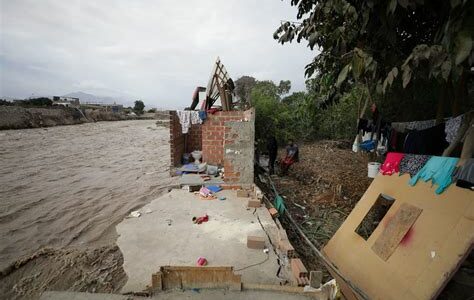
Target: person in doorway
x=272 y=147
x=292 y=156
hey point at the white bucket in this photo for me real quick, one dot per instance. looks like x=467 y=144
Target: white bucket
x=373 y=169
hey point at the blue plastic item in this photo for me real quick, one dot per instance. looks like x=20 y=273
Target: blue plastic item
x=368 y=145
x=214 y=188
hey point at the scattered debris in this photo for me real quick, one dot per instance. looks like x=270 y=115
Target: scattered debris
x=135 y=214
x=200 y=220
x=201 y=261
x=214 y=188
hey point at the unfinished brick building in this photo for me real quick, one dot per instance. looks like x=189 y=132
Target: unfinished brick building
x=226 y=139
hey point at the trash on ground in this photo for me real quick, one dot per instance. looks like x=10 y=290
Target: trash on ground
x=135 y=214
x=201 y=261
x=199 y=220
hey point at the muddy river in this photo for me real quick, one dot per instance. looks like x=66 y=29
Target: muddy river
x=70 y=185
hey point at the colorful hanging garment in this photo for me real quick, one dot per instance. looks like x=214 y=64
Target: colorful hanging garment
x=452 y=127
x=391 y=164
x=439 y=170
x=412 y=163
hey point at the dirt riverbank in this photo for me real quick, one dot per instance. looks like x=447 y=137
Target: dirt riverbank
x=62 y=191
x=16 y=117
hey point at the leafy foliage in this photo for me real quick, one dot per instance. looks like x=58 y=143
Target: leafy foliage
x=374 y=42
x=138 y=107
x=243 y=87
x=35 y=102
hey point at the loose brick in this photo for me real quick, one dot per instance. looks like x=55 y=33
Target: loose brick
x=254 y=203
x=297 y=268
x=273 y=212
x=242 y=193
x=255 y=242
x=286 y=248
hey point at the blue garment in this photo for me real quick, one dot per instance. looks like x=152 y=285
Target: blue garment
x=439 y=170
x=368 y=145
x=202 y=115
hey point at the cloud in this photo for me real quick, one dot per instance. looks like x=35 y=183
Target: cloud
x=157 y=51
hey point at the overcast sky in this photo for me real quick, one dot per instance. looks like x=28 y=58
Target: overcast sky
x=157 y=51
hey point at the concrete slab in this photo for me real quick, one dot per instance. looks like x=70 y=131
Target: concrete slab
x=59 y=295
x=178 y=295
x=167 y=236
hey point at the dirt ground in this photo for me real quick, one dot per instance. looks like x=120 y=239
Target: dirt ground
x=320 y=192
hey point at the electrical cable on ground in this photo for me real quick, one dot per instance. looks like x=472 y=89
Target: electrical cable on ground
x=254 y=265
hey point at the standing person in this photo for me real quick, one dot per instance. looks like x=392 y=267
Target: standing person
x=272 y=147
x=292 y=156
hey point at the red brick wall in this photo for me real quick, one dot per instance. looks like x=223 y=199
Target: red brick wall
x=178 y=140
x=213 y=134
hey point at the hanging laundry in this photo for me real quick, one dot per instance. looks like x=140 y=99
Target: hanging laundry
x=464 y=175
x=363 y=125
x=399 y=126
x=414 y=125
x=431 y=141
x=391 y=164
x=420 y=125
x=452 y=127
x=187 y=118
x=412 y=163
x=202 y=115
x=439 y=170
x=396 y=141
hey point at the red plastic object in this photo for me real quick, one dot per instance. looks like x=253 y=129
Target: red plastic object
x=201 y=261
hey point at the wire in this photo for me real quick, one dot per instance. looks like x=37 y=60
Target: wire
x=254 y=265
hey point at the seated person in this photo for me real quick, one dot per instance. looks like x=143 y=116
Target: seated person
x=292 y=156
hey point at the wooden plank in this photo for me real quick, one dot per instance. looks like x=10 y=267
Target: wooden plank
x=396 y=229
x=188 y=277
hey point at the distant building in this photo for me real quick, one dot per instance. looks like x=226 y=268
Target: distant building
x=115 y=108
x=66 y=101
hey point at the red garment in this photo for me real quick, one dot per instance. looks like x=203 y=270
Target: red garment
x=200 y=220
x=287 y=161
x=391 y=164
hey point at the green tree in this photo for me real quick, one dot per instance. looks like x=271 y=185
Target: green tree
x=243 y=88
x=386 y=44
x=138 y=107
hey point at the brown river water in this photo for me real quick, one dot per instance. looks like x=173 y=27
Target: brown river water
x=70 y=185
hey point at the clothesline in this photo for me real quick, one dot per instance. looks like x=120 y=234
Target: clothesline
x=188 y=118
x=416 y=137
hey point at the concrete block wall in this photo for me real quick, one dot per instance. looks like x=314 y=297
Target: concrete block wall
x=239 y=149
x=178 y=140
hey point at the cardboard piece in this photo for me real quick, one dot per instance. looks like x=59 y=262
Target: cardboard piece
x=254 y=203
x=396 y=229
x=426 y=257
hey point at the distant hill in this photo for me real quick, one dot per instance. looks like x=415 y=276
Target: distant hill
x=85 y=97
